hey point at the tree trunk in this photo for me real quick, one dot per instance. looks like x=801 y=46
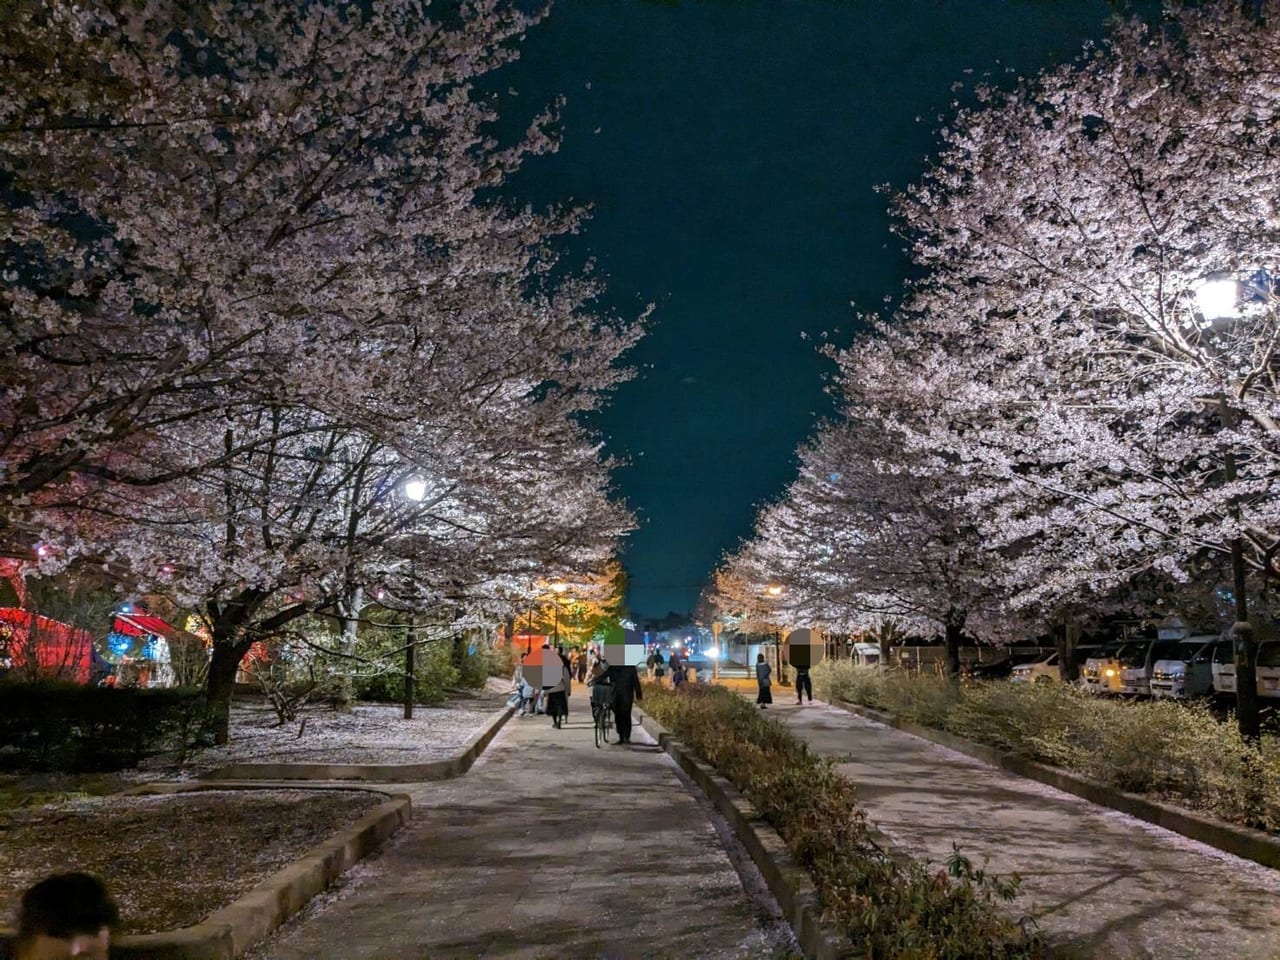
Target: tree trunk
x=410 y=673
x=1066 y=637
x=954 y=636
x=221 y=684
x=1246 y=652
x=350 y=626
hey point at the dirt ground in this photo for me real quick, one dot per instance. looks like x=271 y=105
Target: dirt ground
x=172 y=860
x=169 y=860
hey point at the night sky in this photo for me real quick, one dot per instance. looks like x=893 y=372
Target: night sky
x=731 y=150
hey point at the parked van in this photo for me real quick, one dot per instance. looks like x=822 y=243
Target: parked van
x=1187 y=672
x=1224 y=669
x=1101 y=671
x=866 y=654
x=1138 y=664
x=1128 y=670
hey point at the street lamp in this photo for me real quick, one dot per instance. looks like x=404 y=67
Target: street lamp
x=716 y=627
x=774 y=591
x=1218 y=297
x=558 y=588
x=415 y=489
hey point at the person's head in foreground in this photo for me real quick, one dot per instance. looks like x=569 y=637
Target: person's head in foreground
x=66 y=915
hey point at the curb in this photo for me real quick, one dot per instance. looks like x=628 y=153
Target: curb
x=446 y=769
x=227 y=933
x=1244 y=842
x=789 y=884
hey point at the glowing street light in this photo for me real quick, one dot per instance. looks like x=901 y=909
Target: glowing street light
x=773 y=591
x=1218 y=298
x=559 y=587
x=415 y=488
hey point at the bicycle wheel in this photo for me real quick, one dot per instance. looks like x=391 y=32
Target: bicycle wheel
x=596 y=718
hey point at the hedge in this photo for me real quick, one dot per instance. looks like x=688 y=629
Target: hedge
x=890 y=908
x=50 y=725
x=1178 y=752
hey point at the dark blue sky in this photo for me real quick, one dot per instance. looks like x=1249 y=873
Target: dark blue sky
x=731 y=150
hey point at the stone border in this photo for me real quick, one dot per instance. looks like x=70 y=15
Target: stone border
x=229 y=932
x=790 y=885
x=446 y=769
x=1246 y=842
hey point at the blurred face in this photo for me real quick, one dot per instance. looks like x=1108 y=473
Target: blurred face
x=88 y=946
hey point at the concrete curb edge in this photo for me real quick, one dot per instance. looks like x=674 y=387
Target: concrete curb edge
x=1240 y=841
x=789 y=884
x=229 y=932
x=446 y=769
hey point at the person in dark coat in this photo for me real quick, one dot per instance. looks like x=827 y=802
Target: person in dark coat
x=626 y=689
x=764 y=679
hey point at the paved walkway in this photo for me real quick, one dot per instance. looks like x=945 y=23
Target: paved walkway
x=548 y=847
x=1099 y=881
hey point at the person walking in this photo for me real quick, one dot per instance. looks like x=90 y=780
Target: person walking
x=557 y=696
x=582 y=665
x=659 y=665
x=764 y=674
x=626 y=689
x=677 y=670
x=803 y=683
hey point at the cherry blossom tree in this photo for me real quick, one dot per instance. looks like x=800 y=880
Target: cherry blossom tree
x=255 y=278
x=1102 y=239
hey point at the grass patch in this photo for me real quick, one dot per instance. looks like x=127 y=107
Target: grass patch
x=1178 y=752
x=889 y=909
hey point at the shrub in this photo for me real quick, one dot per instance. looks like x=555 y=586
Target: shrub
x=72 y=728
x=888 y=908
x=1178 y=752
x=433 y=673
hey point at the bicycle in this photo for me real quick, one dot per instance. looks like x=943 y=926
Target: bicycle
x=602 y=712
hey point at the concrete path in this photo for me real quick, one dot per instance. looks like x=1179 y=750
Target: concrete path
x=548 y=847
x=1100 y=882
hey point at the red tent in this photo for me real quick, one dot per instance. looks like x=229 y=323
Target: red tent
x=142 y=625
x=61 y=650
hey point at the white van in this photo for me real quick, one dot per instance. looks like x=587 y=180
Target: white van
x=1128 y=670
x=866 y=654
x=1224 y=669
x=1187 y=672
x=1138 y=664
x=1101 y=672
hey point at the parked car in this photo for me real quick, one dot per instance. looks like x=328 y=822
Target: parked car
x=1224 y=669
x=1044 y=670
x=1002 y=666
x=1187 y=671
x=1101 y=673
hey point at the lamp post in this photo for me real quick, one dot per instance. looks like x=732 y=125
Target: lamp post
x=415 y=489
x=774 y=591
x=716 y=627
x=1219 y=298
x=557 y=588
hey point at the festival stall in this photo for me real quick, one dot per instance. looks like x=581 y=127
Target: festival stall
x=138 y=647
x=41 y=647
